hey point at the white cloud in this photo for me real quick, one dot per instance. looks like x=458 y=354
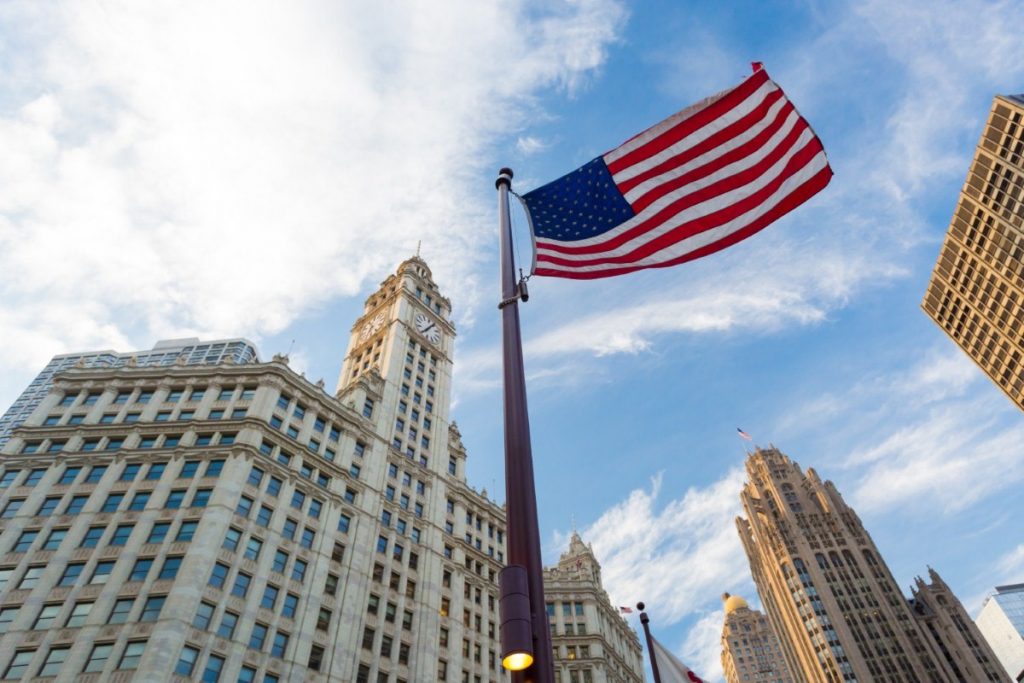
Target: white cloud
x=219 y=168
x=529 y=144
x=703 y=645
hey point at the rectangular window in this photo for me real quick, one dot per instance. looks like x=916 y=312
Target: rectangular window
x=68 y=578
x=175 y=499
x=112 y=502
x=155 y=471
x=228 y=622
x=55 y=538
x=189 y=469
x=289 y=528
x=141 y=569
x=186 y=661
x=152 y=607
x=121 y=534
x=258 y=638
x=54 y=661
x=101 y=573
x=95 y=474
x=25 y=541
x=264 y=515
x=252 y=548
x=204 y=615
x=280 y=644
x=308 y=535
x=158 y=533
x=291 y=604
x=139 y=501
x=299 y=570
x=214 y=468
x=244 y=506
x=170 y=569
x=269 y=599
x=274 y=487
x=241 y=587
x=98 y=659
x=46 y=617
x=219 y=575
x=122 y=608
x=201 y=498
x=132 y=655
x=11 y=509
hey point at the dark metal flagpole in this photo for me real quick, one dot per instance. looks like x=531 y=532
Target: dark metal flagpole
x=645 y=620
x=524 y=620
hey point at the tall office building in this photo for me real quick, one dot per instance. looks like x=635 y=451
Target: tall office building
x=830 y=597
x=236 y=522
x=166 y=352
x=976 y=292
x=1001 y=621
x=592 y=643
x=750 y=649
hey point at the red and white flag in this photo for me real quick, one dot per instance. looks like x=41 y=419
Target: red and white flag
x=701 y=180
x=743 y=435
x=670 y=668
x=626 y=610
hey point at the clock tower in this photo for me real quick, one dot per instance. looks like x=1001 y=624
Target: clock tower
x=402 y=345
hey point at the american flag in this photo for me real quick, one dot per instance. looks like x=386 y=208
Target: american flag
x=744 y=435
x=703 y=179
x=626 y=610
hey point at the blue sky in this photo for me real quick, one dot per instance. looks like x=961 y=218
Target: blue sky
x=255 y=169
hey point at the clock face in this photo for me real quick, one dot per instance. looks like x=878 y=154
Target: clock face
x=371 y=327
x=428 y=328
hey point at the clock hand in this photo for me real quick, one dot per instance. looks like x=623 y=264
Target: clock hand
x=427 y=328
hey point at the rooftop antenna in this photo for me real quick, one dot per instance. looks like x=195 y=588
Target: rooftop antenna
x=418 y=243
x=290 y=347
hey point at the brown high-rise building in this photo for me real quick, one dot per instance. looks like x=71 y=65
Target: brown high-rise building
x=832 y=601
x=750 y=649
x=976 y=293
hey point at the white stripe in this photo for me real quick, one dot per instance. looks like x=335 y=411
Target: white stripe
x=686 y=215
x=674 y=120
x=707 y=237
x=696 y=137
x=735 y=167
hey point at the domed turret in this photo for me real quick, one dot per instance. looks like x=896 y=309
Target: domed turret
x=733 y=603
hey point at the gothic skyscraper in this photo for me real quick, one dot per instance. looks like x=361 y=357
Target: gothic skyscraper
x=831 y=599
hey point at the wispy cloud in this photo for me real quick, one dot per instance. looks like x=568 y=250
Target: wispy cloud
x=529 y=144
x=158 y=178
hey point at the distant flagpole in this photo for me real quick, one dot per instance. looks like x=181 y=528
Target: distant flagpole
x=645 y=620
x=523 y=614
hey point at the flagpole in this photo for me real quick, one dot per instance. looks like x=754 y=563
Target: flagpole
x=524 y=573
x=645 y=620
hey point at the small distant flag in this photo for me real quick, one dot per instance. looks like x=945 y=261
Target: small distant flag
x=626 y=610
x=701 y=180
x=744 y=435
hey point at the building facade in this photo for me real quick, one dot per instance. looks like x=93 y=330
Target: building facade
x=166 y=352
x=1001 y=621
x=831 y=599
x=750 y=649
x=237 y=522
x=976 y=292
x=592 y=643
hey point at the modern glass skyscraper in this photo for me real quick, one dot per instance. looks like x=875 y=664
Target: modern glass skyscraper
x=1001 y=621
x=166 y=352
x=976 y=292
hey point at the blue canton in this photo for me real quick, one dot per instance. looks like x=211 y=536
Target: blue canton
x=579 y=205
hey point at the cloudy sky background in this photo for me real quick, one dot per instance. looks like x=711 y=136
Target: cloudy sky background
x=255 y=169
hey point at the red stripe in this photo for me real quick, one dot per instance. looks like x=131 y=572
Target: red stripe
x=801 y=194
x=688 y=125
x=711 y=220
x=742 y=152
x=723 y=136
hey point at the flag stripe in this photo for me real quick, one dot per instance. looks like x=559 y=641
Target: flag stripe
x=704 y=178
x=704 y=209
x=808 y=189
x=643 y=193
x=734 y=122
x=676 y=127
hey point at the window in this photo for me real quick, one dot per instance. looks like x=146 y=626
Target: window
x=308 y=535
x=264 y=515
x=121 y=534
x=214 y=468
x=122 y=608
x=46 y=617
x=241 y=587
x=170 y=569
x=187 y=531
x=141 y=569
x=75 y=505
x=248 y=393
x=252 y=548
x=258 y=637
x=298 y=500
x=6 y=616
x=288 y=528
x=163 y=416
x=279 y=645
x=269 y=599
x=34 y=477
x=368 y=408
x=315 y=506
x=144 y=397
x=98 y=659
x=331 y=585
x=189 y=469
x=204 y=615
x=78 y=615
x=54 y=661
x=227 y=625
x=112 y=502
x=186 y=661
x=244 y=506
x=291 y=604
x=299 y=570
x=174 y=499
x=280 y=561
x=201 y=498
x=350 y=496
x=11 y=509
x=132 y=418
x=151 y=609
x=68 y=578
x=274 y=487
x=155 y=471
x=219 y=575
x=69 y=475
x=25 y=541
x=231 y=539
x=338 y=554
x=68 y=400
x=225 y=394
x=132 y=655
x=139 y=501
x=19 y=664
